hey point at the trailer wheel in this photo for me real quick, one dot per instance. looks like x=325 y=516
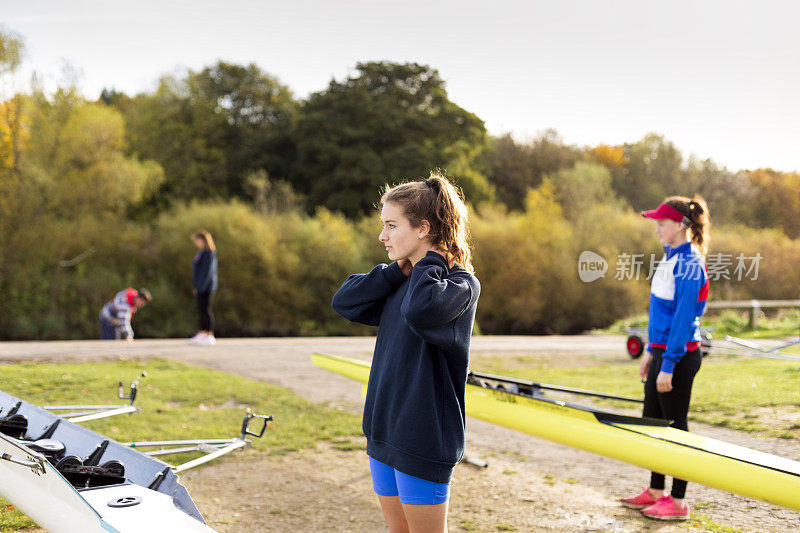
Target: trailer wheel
x=635 y=346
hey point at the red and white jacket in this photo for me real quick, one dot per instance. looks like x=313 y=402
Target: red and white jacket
x=119 y=312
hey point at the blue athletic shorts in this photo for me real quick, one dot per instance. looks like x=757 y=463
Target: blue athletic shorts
x=386 y=481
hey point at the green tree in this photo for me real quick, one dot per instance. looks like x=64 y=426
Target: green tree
x=522 y=259
x=387 y=122
x=731 y=196
x=85 y=164
x=258 y=110
x=514 y=168
x=12 y=48
x=210 y=128
x=580 y=188
x=654 y=170
x=777 y=200
x=271 y=196
x=184 y=136
x=62 y=210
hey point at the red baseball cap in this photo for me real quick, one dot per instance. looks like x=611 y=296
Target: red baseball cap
x=666 y=212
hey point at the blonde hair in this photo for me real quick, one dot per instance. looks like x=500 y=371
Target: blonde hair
x=206 y=238
x=442 y=205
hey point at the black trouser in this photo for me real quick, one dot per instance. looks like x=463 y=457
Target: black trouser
x=204 y=309
x=672 y=405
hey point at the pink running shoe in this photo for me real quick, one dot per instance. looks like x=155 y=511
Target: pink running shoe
x=640 y=501
x=666 y=509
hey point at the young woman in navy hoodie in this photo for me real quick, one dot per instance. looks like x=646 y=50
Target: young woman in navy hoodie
x=677 y=301
x=204 y=285
x=424 y=306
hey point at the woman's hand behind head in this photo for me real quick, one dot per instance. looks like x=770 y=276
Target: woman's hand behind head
x=405 y=266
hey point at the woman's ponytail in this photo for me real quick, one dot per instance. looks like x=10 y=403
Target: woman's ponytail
x=696 y=211
x=453 y=232
x=701 y=223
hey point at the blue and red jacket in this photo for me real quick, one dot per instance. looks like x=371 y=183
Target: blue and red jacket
x=678 y=295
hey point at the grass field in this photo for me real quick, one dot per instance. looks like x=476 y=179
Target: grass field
x=785 y=323
x=178 y=402
x=755 y=395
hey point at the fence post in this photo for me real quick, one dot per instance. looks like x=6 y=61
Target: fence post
x=755 y=308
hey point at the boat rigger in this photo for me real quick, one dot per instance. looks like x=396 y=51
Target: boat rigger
x=69 y=479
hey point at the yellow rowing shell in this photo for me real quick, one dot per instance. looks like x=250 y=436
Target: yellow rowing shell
x=672 y=452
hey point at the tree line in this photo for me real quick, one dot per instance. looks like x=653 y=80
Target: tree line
x=214 y=129
x=99 y=194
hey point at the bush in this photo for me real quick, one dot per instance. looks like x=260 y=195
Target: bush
x=778 y=275
x=279 y=271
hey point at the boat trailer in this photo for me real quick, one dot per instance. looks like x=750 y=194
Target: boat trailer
x=637 y=341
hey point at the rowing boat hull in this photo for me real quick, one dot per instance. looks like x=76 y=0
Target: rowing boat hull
x=676 y=453
x=50 y=500
x=64 y=509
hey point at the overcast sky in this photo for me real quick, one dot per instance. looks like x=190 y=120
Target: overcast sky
x=719 y=78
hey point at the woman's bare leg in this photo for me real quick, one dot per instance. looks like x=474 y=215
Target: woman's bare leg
x=393 y=513
x=426 y=518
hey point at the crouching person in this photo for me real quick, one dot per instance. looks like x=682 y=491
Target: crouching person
x=116 y=315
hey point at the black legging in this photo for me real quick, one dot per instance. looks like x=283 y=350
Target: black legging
x=672 y=405
x=204 y=308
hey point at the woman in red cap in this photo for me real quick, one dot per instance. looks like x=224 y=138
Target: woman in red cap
x=677 y=300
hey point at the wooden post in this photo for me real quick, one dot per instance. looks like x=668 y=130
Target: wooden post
x=755 y=309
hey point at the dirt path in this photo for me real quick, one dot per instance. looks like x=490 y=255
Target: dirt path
x=530 y=484
x=329 y=490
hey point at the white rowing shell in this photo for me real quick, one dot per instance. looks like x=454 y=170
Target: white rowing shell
x=48 y=499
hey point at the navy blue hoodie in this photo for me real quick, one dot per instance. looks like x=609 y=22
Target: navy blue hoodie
x=414 y=416
x=204 y=272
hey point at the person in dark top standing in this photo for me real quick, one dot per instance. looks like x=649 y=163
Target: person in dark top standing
x=424 y=306
x=204 y=283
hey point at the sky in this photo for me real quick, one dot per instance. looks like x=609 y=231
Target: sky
x=720 y=79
